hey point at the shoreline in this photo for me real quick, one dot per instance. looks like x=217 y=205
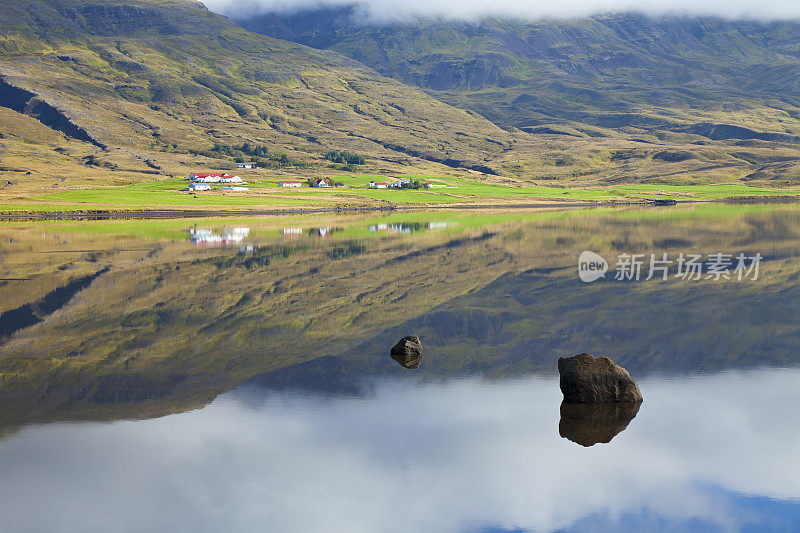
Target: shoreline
x=163 y=214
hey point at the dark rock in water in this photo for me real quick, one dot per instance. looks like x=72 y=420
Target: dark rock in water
x=410 y=345
x=408 y=352
x=588 y=379
x=590 y=423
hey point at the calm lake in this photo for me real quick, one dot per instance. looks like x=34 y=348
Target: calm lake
x=234 y=375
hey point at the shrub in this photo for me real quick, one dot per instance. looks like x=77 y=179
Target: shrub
x=344 y=158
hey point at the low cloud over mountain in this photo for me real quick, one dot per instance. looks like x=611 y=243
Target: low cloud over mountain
x=469 y=9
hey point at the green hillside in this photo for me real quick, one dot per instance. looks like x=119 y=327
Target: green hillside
x=726 y=91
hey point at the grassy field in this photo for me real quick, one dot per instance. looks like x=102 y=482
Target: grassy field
x=128 y=197
x=97 y=193
x=165 y=193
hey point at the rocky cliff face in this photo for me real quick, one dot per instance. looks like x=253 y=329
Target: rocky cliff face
x=58 y=19
x=121 y=20
x=574 y=70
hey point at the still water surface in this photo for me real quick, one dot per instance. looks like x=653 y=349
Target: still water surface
x=217 y=376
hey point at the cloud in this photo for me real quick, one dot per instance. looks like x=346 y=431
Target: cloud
x=472 y=9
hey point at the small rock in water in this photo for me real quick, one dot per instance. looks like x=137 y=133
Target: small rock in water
x=408 y=352
x=588 y=379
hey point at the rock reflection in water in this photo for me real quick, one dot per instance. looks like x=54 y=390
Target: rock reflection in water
x=409 y=361
x=590 y=423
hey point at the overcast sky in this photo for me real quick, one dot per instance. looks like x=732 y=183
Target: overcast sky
x=469 y=9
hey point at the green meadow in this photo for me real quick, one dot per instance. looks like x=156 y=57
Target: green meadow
x=265 y=192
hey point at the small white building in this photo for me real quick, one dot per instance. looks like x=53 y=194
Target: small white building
x=234 y=188
x=290 y=183
x=194 y=187
x=378 y=185
x=248 y=166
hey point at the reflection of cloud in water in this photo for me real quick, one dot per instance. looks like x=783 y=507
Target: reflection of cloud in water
x=411 y=457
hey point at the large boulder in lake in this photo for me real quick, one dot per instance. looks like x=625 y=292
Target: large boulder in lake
x=408 y=352
x=588 y=379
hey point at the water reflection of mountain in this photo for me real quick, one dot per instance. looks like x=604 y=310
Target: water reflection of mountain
x=524 y=322
x=32 y=313
x=171 y=328
x=325 y=375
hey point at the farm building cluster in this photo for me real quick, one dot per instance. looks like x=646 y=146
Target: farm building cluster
x=202 y=182
x=312 y=182
x=402 y=184
x=325 y=183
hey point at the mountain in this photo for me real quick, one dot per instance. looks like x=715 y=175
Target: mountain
x=150 y=84
x=111 y=93
x=609 y=71
x=701 y=82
